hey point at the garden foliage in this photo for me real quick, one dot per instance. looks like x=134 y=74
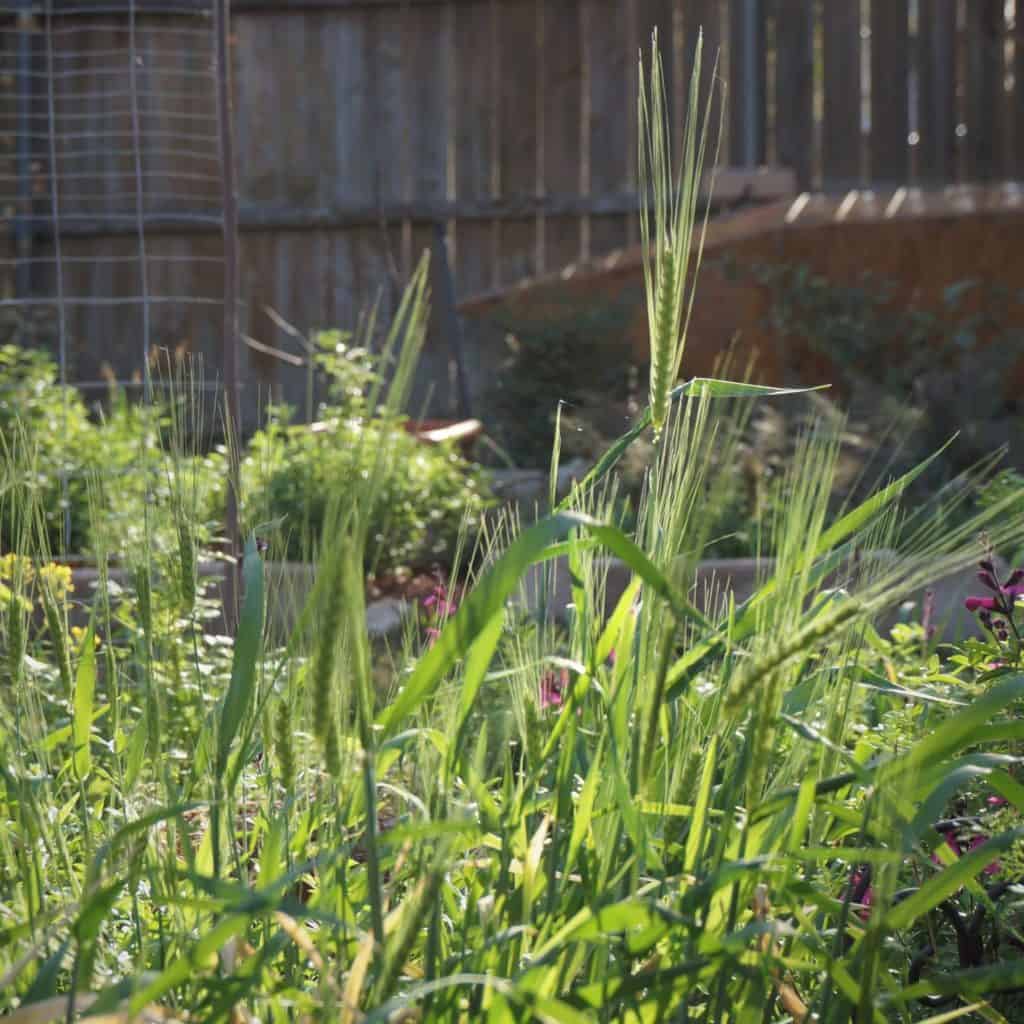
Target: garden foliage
x=665 y=810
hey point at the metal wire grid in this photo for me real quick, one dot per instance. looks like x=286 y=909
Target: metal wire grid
x=108 y=127
x=113 y=118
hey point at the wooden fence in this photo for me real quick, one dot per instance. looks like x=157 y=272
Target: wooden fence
x=361 y=124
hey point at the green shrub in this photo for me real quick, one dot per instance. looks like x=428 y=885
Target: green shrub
x=45 y=430
x=290 y=474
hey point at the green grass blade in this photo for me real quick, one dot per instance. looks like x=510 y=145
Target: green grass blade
x=85 y=691
x=950 y=879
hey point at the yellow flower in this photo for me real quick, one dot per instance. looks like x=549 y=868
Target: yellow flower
x=15 y=566
x=5 y=600
x=57 y=578
x=78 y=635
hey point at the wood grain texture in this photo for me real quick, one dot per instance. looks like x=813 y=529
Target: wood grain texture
x=890 y=113
x=841 y=135
x=936 y=97
x=794 y=87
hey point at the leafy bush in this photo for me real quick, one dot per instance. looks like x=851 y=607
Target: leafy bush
x=292 y=474
x=574 y=356
x=47 y=435
x=936 y=370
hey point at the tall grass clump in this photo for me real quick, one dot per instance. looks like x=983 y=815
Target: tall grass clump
x=598 y=788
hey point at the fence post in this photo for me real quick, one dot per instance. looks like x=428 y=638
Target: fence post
x=747 y=72
x=229 y=214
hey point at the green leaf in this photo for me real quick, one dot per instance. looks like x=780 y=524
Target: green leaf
x=485 y=601
x=246 y=654
x=477 y=663
x=85 y=690
x=859 y=517
x=94 y=913
x=959 y=730
x=696 y=836
x=615 y=541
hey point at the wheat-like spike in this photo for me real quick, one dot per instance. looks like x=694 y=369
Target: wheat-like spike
x=668 y=215
x=799 y=642
x=325 y=659
x=332 y=745
x=283 y=745
x=663 y=341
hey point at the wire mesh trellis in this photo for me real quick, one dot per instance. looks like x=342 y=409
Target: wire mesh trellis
x=114 y=141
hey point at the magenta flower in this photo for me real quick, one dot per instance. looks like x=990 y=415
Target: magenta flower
x=866 y=899
x=439 y=607
x=1006 y=592
x=437 y=602
x=553 y=689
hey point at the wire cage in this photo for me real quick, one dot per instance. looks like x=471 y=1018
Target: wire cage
x=114 y=152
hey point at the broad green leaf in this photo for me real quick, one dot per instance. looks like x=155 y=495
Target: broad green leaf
x=246 y=654
x=485 y=601
x=477 y=663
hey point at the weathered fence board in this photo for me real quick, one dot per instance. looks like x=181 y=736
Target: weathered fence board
x=362 y=123
x=890 y=111
x=841 y=127
x=794 y=87
x=936 y=67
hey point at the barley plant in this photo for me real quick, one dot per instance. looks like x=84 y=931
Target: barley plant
x=649 y=807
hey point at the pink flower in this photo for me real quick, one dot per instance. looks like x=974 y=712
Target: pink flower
x=1006 y=592
x=553 y=688
x=866 y=899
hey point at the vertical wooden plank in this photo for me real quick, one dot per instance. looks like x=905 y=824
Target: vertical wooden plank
x=562 y=61
x=259 y=88
x=475 y=119
x=985 y=30
x=425 y=73
x=747 y=80
x=841 y=136
x=518 y=139
x=705 y=16
x=890 y=111
x=936 y=90
x=349 y=105
x=794 y=87
x=612 y=98
x=1015 y=170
